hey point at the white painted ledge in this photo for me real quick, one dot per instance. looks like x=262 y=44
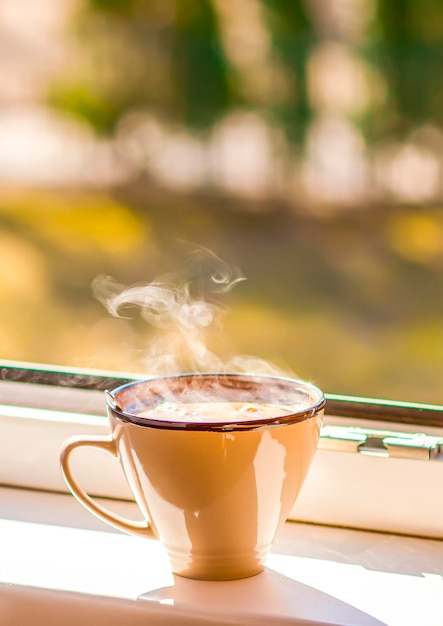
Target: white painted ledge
x=60 y=565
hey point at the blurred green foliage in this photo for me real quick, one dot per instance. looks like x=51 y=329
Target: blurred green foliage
x=166 y=57
x=406 y=47
x=170 y=58
x=293 y=38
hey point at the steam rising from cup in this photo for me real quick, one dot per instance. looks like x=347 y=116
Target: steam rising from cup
x=177 y=306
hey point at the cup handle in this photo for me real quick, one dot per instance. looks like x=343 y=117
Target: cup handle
x=108 y=445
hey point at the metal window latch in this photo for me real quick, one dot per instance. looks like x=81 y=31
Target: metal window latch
x=384 y=443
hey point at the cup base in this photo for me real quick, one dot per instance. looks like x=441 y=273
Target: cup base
x=230 y=565
x=219 y=574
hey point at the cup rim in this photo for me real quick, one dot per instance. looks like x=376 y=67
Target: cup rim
x=230 y=382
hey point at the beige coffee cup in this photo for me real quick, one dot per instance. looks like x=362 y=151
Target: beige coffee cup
x=213 y=491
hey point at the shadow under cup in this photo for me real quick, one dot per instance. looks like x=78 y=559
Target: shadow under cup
x=214 y=491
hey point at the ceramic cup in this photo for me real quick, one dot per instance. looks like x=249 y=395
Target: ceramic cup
x=215 y=463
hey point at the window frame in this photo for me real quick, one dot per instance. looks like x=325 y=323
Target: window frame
x=356 y=407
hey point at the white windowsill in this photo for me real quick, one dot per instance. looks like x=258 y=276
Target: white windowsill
x=60 y=565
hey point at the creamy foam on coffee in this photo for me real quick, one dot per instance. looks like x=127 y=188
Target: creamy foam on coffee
x=216 y=411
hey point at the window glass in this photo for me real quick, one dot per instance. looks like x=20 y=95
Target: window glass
x=296 y=145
